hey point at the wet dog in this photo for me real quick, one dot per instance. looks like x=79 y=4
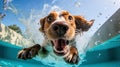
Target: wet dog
x=60 y=30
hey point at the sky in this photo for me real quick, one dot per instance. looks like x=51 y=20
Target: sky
x=100 y=10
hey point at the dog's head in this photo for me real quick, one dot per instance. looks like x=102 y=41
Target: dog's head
x=60 y=27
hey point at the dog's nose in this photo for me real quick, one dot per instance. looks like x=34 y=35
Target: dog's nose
x=60 y=28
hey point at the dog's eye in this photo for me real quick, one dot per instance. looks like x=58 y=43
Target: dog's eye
x=49 y=18
x=70 y=17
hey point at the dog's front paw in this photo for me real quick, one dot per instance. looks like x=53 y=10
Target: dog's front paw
x=28 y=53
x=72 y=57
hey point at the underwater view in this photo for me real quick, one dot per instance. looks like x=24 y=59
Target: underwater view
x=59 y=33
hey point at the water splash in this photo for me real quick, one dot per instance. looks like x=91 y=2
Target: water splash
x=7 y=5
x=32 y=27
x=31 y=22
x=2 y=15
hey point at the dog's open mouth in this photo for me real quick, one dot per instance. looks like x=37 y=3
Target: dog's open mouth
x=60 y=46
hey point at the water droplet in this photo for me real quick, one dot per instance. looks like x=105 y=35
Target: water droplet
x=97 y=16
x=98 y=34
x=106 y=17
x=100 y=13
x=118 y=31
x=99 y=24
x=54 y=1
x=2 y=15
x=109 y=34
x=77 y=4
x=114 y=3
x=84 y=60
x=111 y=20
x=97 y=42
x=105 y=8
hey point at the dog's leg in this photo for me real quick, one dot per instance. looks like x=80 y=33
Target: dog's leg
x=72 y=56
x=28 y=53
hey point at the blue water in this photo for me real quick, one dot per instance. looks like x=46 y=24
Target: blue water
x=106 y=54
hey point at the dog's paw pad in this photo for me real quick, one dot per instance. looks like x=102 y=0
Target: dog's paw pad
x=24 y=54
x=27 y=53
x=75 y=59
x=72 y=59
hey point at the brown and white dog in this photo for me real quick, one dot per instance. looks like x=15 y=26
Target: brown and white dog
x=60 y=29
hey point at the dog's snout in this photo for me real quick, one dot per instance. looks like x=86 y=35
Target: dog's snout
x=60 y=28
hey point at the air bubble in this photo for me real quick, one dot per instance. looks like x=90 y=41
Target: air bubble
x=99 y=54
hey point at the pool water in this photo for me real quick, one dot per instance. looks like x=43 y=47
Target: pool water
x=106 y=54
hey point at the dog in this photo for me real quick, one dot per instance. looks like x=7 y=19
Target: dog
x=60 y=30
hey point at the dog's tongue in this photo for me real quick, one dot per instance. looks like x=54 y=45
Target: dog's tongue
x=59 y=44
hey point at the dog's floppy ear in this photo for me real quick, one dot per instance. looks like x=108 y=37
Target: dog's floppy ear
x=83 y=24
x=42 y=22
